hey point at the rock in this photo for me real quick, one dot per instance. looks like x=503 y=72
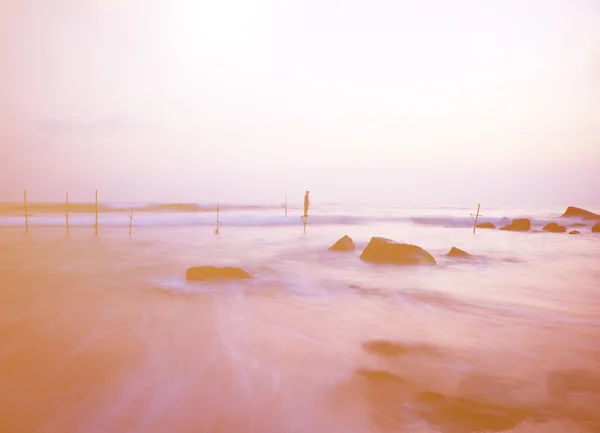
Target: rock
x=518 y=225
x=384 y=347
x=464 y=415
x=206 y=273
x=384 y=392
x=574 y=232
x=380 y=376
x=467 y=420
x=343 y=244
x=486 y=226
x=385 y=251
x=455 y=252
x=554 y=228
x=579 y=225
x=560 y=383
x=576 y=212
x=388 y=348
x=596 y=228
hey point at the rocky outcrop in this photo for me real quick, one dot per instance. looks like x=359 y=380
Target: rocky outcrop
x=385 y=251
x=518 y=225
x=574 y=232
x=579 y=225
x=554 y=228
x=456 y=252
x=385 y=391
x=486 y=226
x=596 y=228
x=208 y=273
x=343 y=244
x=576 y=212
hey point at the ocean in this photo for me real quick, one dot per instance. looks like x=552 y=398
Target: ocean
x=102 y=332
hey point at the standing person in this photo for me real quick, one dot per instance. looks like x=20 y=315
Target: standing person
x=306 y=204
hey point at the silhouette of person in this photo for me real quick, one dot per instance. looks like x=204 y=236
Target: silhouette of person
x=306 y=204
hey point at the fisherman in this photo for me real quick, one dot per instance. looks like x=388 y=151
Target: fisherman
x=306 y=204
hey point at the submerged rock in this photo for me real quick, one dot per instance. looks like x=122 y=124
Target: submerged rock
x=560 y=383
x=574 y=232
x=468 y=420
x=205 y=273
x=345 y=243
x=554 y=228
x=387 y=392
x=456 y=252
x=384 y=347
x=579 y=225
x=576 y=212
x=518 y=225
x=596 y=228
x=486 y=226
x=385 y=251
x=379 y=376
x=464 y=415
x=388 y=348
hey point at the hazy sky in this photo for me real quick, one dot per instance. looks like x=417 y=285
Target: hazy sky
x=414 y=102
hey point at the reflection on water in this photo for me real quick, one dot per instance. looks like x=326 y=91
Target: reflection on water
x=103 y=334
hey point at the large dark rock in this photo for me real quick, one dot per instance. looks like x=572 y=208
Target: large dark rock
x=554 y=228
x=518 y=225
x=207 y=273
x=574 y=232
x=456 y=252
x=576 y=212
x=596 y=228
x=343 y=244
x=385 y=251
x=486 y=226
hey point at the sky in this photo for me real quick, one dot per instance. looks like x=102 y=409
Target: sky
x=429 y=102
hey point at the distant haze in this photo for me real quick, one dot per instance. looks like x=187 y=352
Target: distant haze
x=429 y=102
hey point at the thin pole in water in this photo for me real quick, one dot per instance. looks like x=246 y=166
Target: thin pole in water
x=130 y=221
x=285 y=206
x=476 y=218
x=67 y=213
x=96 y=225
x=26 y=215
x=304 y=218
x=219 y=223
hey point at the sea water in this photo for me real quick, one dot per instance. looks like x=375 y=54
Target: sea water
x=102 y=333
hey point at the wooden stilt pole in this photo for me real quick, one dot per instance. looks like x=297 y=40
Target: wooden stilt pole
x=96 y=225
x=285 y=206
x=67 y=213
x=130 y=221
x=476 y=218
x=219 y=223
x=26 y=214
x=305 y=216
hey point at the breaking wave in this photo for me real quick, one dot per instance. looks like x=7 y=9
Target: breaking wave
x=242 y=215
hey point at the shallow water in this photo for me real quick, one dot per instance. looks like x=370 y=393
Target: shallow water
x=103 y=333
